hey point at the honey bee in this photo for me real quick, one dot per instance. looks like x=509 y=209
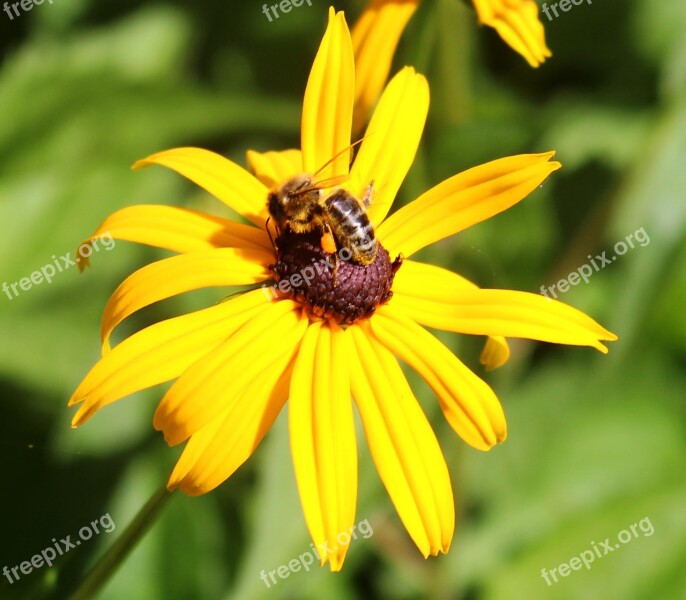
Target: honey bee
x=300 y=205
x=350 y=225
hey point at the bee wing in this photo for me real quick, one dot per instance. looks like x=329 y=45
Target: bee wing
x=328 y=182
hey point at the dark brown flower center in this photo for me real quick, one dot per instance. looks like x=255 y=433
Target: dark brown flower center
x=328 y=286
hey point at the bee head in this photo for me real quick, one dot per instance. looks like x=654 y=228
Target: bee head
x=296 y=198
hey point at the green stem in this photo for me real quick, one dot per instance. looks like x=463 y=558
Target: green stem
x=122 y=547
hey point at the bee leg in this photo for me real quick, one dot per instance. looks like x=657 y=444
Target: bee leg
x=335 y=270
x=327 y=241
x=397 y=263
x=367 y=196
x=269 y=233
x=328 y=244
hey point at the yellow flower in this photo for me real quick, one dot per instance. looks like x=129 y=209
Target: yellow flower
x=236 y=363
x=377 y=32
x=375 y=37
x=517 y=22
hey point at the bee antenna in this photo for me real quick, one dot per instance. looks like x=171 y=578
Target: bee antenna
x=346 y=149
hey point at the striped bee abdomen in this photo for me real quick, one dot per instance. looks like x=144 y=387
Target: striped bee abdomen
x=351 y=227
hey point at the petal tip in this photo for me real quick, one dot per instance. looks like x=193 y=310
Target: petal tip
x=140 y=164
x=80 y=418
x=76 y=398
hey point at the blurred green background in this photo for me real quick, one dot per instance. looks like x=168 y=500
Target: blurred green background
x=596 y=443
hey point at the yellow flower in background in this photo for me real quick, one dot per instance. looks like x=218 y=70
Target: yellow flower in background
x=236 y=363
x=375 y=37
x=517 y=22
x=377 y=32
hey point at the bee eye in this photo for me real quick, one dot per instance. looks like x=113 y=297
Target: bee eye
x=273 y=203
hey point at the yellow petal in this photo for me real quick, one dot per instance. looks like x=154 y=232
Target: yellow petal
x=322 y=433
x=463 y=200
x=375 y=37
x=391 y=141
x=421 y=280
x=161 y=352
x=213 y=384
x=468 y=403
x=506 y=313
x=273 y=168
x=171 y=276
x=495 y=354
x=214 y=453
x=176 y=229
x=328 y=103
x=402 y=444
x=222 y=178
x=517 y=23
